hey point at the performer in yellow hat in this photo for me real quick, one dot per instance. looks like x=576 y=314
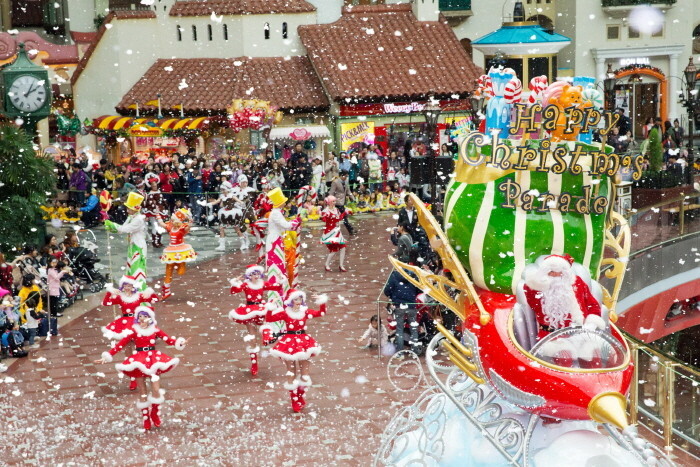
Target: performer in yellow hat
x=178 y=253
x=135 y=227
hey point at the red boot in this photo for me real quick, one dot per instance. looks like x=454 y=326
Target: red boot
x=166 y=292
x=293 y=395
x=267 y=334
x=304 y=385
x=155 y=405
x=143 y=407
x=253 y=351
x=133 y=384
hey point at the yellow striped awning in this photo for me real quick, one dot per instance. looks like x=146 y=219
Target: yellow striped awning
x=118 y=122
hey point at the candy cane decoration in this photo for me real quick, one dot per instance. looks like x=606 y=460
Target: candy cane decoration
x=513 y=91
x=537 y=86
x=306 y=193
x=485 y=87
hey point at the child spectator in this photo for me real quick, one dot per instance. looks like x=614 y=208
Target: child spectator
x=55 y=270
x=374 y=335
x=33 y=317
x=8 y=312
x=13 y=342
x=28 y=286
x=403 y=178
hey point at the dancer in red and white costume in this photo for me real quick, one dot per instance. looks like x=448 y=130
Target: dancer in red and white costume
x=252 y=314
x=146 y=362
x=296 y=347
x=332 y=236
x=127 y=298
x=178 y=253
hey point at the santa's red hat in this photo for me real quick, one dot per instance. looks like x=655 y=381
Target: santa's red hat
x=558 y=262
x=127 y=280
x=254 y=268
x=293 y=294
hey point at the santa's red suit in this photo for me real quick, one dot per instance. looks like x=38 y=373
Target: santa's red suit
x=254 y=311
x=536 y=286
x=121 y=327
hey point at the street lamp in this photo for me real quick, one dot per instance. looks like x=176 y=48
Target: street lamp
x=432 y=112
x=691 y=102
x=609 y=86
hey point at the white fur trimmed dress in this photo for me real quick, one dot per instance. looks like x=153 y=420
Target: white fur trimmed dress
x=295 y=344
x=254 y=311
x=121 y=327
x=146 y=361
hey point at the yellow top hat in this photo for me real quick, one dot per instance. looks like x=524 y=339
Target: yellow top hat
x=182 y=214
x=277 y=197
x=134 y=201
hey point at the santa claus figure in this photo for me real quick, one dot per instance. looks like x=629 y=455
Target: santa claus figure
x=557 y=292
x=252 y=313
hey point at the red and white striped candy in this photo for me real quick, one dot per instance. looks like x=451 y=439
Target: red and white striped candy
x=485 y=87
x=513 y=91
x=537 y=85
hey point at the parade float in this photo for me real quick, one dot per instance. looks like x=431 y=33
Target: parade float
x=530 y=201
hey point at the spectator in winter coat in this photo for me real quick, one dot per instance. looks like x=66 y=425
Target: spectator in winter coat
x=403 y=241
x=403 y=295
x=78 y=184
x=91 y=210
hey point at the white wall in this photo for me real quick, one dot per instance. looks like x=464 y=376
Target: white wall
x=80 y=15
x=328 y=11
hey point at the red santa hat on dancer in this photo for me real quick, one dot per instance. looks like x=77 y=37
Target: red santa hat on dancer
x=292 y=295
x=254 y=268
x=141 y=310
x=330 y=200
x=127 y=280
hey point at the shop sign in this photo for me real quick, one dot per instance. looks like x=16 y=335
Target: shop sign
x=145 y=131
x=356 y=132
x=635 y=61
x=462 y=126
x=300 y=134
x=403 y=108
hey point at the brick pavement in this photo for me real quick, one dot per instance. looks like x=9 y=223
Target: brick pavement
x=64 y=409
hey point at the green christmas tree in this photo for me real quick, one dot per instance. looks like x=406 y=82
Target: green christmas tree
x=656 y=150
x=26 y=182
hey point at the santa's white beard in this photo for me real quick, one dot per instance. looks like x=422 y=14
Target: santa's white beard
x=559 y=303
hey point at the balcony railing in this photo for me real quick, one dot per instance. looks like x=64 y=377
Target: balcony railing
x=613 y=3
x=455 y=5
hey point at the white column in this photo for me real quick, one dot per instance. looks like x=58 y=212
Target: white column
x=600 y=69
x=672 y=98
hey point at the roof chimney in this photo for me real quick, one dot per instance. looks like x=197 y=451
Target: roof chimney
x=518 y=12
x=426 y=10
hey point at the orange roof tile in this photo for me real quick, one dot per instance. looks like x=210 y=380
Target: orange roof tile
x=384 y=52
x=208 y=85
x=239 y=7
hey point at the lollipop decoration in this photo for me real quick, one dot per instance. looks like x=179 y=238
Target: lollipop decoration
x=513 y=91
x=537 y=86
x=105 y=204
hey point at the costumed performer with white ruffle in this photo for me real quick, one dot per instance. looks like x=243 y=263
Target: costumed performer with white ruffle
x=332 y=236
x=295 y=346
x=146 y=362
x=232 y=211
x=178 y=253
x=252 y=314
x=135 y=227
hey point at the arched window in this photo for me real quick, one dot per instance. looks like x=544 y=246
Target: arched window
x=225 y=32
x=543 y=21
x=179 y=32
x=194 y=32
x=267 y=30
x=467 y=45
x=696 y=40
x=285 y=32
x=210 y=32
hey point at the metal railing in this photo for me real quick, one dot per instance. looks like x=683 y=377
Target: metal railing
x=665 y=395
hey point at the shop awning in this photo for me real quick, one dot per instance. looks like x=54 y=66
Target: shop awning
x=299 y=133
x=117 y=122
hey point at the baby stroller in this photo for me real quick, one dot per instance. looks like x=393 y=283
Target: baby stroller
x=83 y=260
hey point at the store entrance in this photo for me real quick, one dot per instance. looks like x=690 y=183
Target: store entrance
x=640 y=101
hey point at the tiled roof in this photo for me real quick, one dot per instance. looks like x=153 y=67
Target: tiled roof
x=384 y=52
x=239 y=7
x=208 y=85
x=114 y=14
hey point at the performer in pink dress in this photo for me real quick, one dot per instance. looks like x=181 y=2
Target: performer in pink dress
x=146 y=362
x=296 y=347
x=178 y=253
x=332 y=236
x=252 y=314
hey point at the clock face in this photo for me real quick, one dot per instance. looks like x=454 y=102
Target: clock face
x=27 y=93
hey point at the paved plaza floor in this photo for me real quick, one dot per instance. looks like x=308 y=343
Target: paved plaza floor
x=62 y=409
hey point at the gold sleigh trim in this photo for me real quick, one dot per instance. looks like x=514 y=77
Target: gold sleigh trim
x=437 y=286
